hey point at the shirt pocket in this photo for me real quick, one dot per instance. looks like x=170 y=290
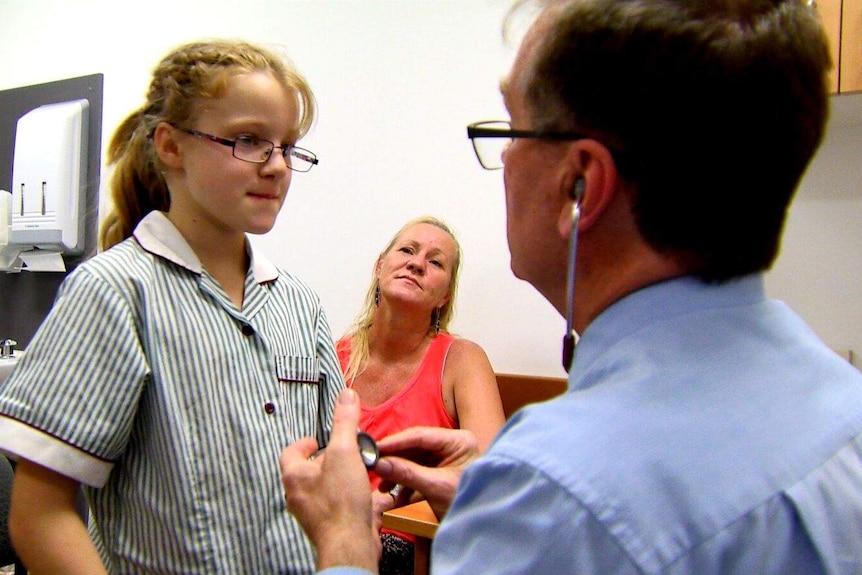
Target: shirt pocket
x=296 y=369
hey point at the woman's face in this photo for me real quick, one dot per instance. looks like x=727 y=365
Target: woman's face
x=418 y=267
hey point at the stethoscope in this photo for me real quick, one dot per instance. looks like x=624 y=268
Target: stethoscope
x=569 y=337
x=368 y=450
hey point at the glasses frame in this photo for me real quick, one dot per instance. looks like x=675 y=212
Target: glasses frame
x=481 y=130
x=295 y=151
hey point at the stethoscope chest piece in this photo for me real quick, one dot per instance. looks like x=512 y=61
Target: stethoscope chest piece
x=367 y=449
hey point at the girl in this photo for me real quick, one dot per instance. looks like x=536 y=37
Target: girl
x=176 y=365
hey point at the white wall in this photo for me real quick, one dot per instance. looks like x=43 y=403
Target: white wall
x=819 y=271
x=397 y=82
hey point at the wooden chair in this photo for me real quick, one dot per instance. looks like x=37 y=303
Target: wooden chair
x=516 y=391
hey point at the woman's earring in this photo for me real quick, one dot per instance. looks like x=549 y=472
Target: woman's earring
x=377 y=296
x=437 y=320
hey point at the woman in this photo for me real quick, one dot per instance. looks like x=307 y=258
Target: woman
x=402 y=361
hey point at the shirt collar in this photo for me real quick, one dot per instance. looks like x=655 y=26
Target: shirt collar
x=661 y=302
x=157 y=235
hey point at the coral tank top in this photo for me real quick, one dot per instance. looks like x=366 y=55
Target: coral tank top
x=420 y=402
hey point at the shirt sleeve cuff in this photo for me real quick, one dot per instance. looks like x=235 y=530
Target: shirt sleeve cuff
x=19 y=440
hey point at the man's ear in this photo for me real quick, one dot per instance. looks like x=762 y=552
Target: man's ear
x=166 y=145
x=593 y=179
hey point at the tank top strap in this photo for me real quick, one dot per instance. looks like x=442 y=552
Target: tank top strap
x=438 y=350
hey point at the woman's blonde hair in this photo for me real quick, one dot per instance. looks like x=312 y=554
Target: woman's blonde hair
x=195 y=71
x=358 y=333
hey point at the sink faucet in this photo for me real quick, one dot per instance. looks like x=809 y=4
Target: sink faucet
x=7 y=348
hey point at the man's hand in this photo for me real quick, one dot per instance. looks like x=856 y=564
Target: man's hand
x=330 y=496
x=381 y=502
x=429 y=460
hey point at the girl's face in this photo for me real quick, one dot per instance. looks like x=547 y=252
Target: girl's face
x=418 y=267
x=214 y=193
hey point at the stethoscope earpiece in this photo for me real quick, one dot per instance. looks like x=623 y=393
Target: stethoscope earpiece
x=579 y=190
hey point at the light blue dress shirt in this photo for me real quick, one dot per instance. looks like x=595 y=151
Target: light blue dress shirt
x=706 y=430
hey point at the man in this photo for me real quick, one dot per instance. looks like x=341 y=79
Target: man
x=706 y=429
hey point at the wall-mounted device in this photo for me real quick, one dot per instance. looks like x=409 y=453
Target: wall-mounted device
x=49 y=178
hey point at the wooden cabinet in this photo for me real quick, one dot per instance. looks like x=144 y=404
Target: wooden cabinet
x=830 y=15
x=850 y=74
x=842 y=20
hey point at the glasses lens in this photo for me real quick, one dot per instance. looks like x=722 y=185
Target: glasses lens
x=299 y=159
x=252 y=149
x=490 y=150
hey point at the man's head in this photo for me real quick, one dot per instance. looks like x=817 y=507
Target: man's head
x=710 y=109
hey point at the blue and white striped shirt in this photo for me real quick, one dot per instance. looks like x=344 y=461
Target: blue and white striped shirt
x=147 y=384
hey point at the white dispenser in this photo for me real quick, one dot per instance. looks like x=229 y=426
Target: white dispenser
x=49 y=178
x=9 y=357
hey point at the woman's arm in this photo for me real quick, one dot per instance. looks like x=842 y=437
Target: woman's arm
x=47 y=532
x=470 y=386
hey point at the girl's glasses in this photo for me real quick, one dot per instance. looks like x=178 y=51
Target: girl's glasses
x=258 y=151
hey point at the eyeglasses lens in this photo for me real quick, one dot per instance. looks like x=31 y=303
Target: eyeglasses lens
x=490 y=150
x=259 y=151
x=300 y=160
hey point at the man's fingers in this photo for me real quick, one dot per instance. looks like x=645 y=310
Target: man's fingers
x=380 y=504
x=345 y=422
x=299 y=450
x=399 y=471
x=414 y=438
x=295 y=465
x=431 y=439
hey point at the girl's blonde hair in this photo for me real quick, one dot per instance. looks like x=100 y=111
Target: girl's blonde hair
x=358 y=333
x=195 y=71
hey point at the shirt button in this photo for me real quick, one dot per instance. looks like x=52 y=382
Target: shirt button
x=269 y=407
x=247 y=329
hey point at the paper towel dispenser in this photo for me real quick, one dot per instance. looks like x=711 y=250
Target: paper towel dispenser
x=49 y=178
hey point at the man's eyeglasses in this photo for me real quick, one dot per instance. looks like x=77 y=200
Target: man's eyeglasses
x=258 y=151
x=490 y=140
